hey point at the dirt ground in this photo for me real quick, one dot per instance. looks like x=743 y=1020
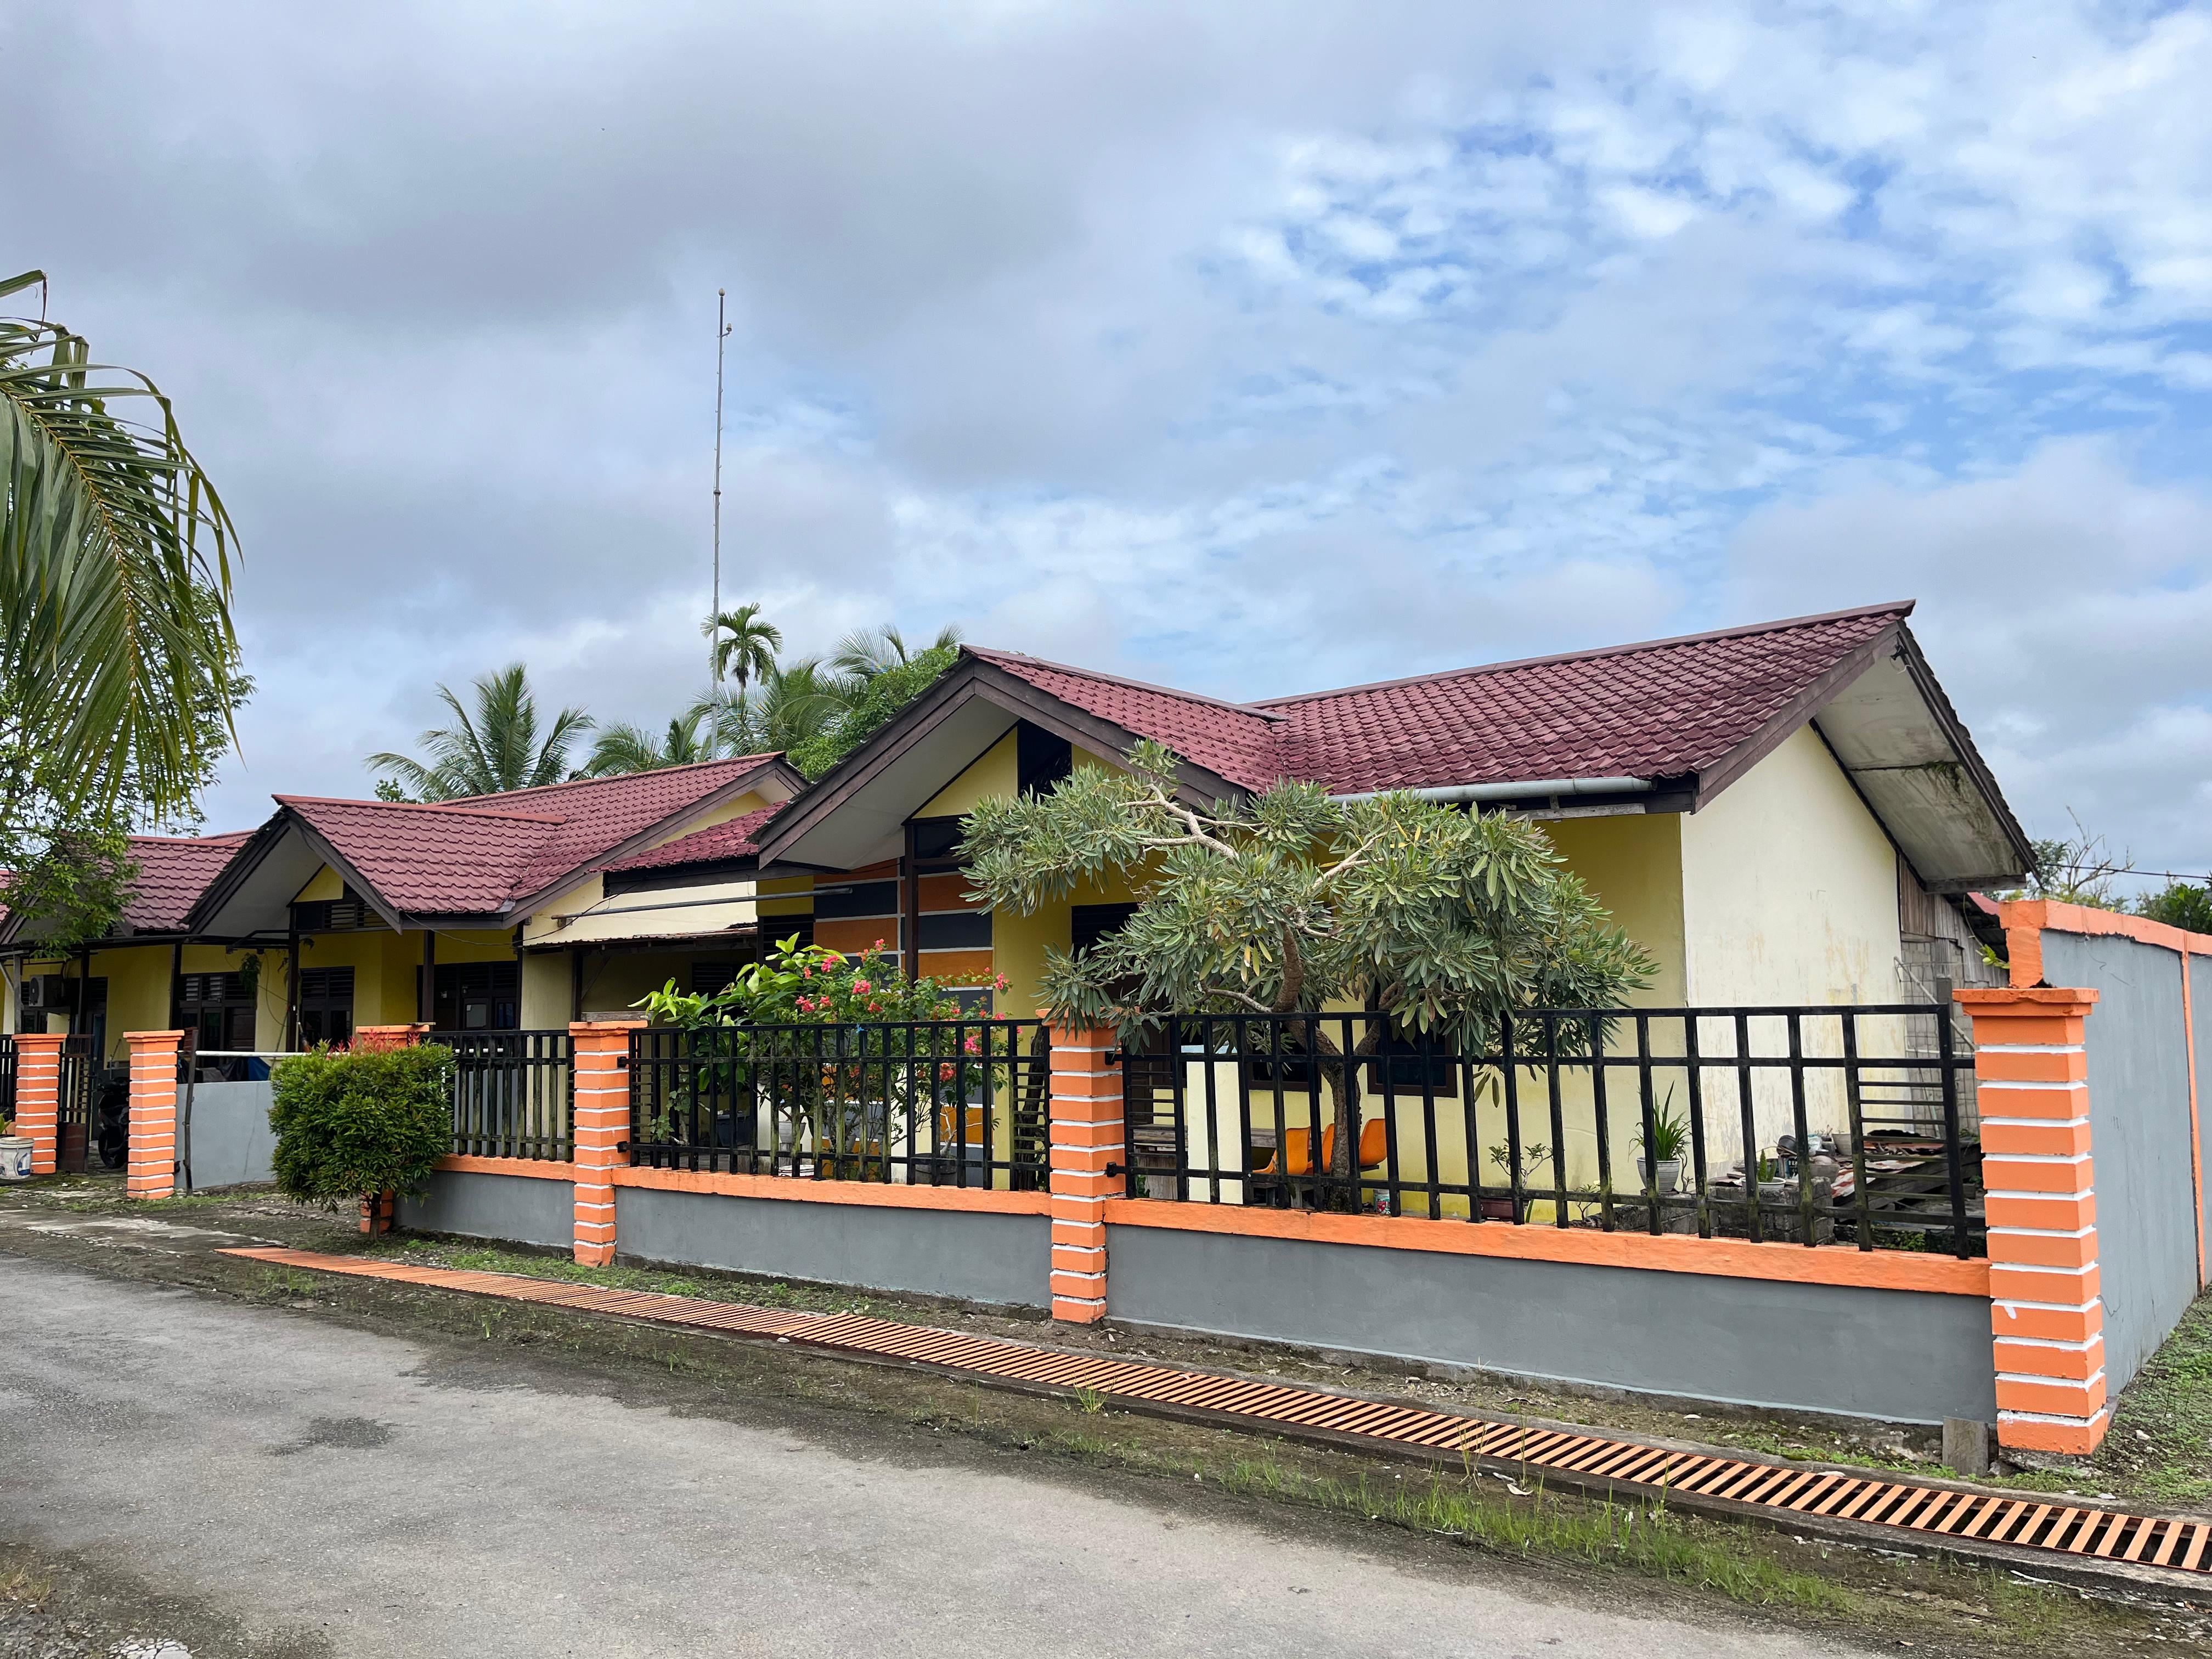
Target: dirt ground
x=1706 y=1569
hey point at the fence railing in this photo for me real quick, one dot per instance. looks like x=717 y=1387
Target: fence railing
x=7 y=1076
x=81 y=1087
x=515 y=1093
x=1811 y=1125
x=925 y=1103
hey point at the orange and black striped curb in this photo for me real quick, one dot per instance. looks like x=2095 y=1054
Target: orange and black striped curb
x=1991 y=1526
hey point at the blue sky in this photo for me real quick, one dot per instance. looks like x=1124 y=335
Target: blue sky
x=1251 y=348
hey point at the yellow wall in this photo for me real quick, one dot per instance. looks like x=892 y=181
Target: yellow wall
x=995 y=776
x=1633 y=867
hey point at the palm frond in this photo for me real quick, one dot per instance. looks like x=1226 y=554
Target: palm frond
x=115 y=572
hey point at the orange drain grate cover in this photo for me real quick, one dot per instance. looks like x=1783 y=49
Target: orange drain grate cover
x=2093 y=1534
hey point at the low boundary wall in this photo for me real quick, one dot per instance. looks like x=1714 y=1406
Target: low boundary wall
x=2020 y=1338
x=1905 y=1355
x=228 y=1141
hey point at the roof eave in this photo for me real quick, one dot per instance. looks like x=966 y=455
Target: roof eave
x=970 y=677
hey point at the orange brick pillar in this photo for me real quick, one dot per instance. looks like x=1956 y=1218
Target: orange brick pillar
x=39 y=1095
x=153 y=1167
x=601 y=1065
x=1087 y=1137
x=2047 y=1312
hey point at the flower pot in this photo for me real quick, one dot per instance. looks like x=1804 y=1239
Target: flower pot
x=15 y=1157
x=1670 y=1173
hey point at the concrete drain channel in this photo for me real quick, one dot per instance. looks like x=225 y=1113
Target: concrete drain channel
x=2024 y=1532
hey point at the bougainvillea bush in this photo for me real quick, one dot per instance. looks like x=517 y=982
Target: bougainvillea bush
x=843 y=1046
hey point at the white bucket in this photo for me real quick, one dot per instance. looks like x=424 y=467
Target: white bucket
x=16 y=1157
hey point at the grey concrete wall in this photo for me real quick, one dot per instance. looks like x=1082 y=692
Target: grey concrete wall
x=523 y=1209
x=2200 y=997
x=974 y=1256
x=1901 y=1356
x=2139 y=1134
x=231 y=1139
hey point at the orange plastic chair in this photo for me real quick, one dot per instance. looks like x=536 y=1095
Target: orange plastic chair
x=1296 y=1155
x=1374 y=1144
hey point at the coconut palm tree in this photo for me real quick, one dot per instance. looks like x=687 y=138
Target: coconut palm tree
x=496 y=749
x=867 y=652
x=791 y=704
x=115 y=624
x=627 y=748
x=744 y=644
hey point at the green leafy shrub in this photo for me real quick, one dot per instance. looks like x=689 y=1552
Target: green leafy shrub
x=352 y=1124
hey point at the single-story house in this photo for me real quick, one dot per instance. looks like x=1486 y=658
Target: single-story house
x=337 y=914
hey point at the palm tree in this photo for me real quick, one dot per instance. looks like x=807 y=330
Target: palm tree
x=115 y=624
x=867 y=652
x=497 y=749
x=744 y=644
x=626 y=748
x=789 y=705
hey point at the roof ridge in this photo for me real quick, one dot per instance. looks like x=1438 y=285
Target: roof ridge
x=194 y=841
x=450 y=808
x=988 y=654
x=1901 y=607
x=617 y=777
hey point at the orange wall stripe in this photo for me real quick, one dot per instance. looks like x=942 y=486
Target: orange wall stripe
x=1723 y=1258
x=876 y=1195
x=538 y=1168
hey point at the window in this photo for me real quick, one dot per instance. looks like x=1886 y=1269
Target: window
x=478 y=996
x=1090 y=923
x=218 y=1009
x=709 y=977
x=333 y=915
x=325 y=1005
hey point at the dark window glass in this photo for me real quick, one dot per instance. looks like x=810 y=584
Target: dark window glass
x=938 y=840
x=1089 y=923
x=478 y=996
x=1041 y=760
x=867 y=898
x=325 y=1005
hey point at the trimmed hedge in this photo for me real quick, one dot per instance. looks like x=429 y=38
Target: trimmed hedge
x=352 y=1124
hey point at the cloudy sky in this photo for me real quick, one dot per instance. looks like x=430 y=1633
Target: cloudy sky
x=1256 y=348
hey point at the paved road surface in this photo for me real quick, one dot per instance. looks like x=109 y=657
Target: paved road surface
x=303 y=1477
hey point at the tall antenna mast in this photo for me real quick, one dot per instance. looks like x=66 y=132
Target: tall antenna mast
x=714 y=615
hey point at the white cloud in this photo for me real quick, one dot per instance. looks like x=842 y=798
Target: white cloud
x=1247 y=346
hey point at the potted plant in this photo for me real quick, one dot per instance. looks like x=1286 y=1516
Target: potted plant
x=365 y=1124
x=1533 y=1157
x=15 y=1152
x=1659 y=1159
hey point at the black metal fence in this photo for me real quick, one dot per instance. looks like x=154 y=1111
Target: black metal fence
x=1811 y=1125
x=81 y=1087
x=7 y=1076
x=955 y=1102
x=515 y=1093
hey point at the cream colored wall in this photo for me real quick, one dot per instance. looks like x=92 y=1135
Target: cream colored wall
x=1788 y=888
x=546 y=987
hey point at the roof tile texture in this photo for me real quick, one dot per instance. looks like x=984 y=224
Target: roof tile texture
x=733 y=840
x=173 y=871
x=475 y=855
x=1665 y=709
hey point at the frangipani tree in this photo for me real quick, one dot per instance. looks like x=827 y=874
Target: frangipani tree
x=1442 y=919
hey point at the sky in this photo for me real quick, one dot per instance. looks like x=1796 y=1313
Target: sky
x=1251 y=348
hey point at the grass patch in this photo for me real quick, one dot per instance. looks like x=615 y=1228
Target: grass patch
x=2160 y=1442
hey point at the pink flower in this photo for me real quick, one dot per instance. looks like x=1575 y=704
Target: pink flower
x=861 y=988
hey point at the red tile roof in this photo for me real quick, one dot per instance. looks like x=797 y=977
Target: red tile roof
x=1666 y=708
x=173 y=871
x=474 y=856
x=733 y=840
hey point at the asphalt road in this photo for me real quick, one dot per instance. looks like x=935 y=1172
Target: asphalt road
x=333 y=1490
